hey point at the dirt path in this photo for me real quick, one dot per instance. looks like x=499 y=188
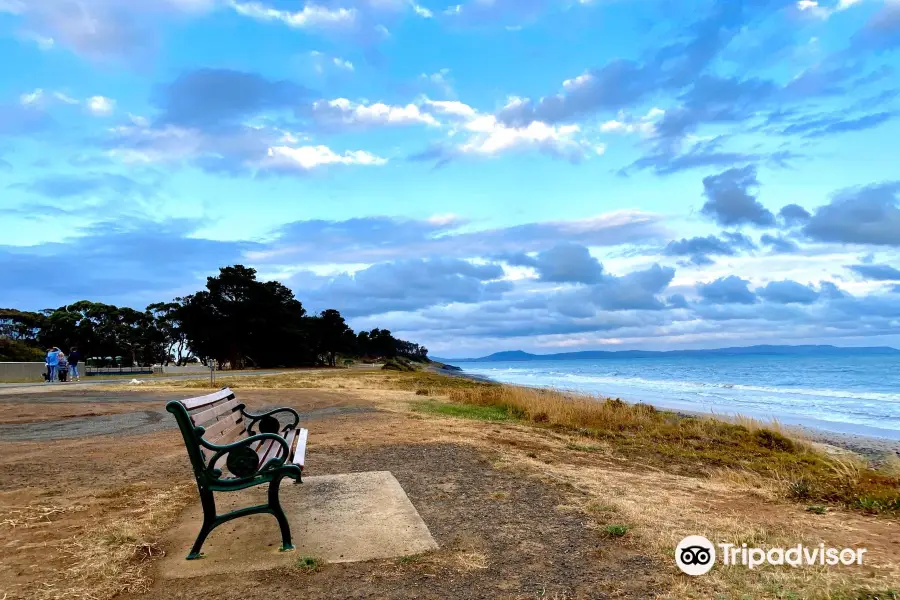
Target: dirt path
x=60 y=416
x=502 y=534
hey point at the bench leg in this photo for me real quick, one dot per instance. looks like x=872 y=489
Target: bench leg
x=209 y=522
x=275 y=505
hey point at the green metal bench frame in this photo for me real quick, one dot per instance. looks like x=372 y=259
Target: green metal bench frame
x=210 y=479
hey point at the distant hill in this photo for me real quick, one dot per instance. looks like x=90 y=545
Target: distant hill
x=519 y=355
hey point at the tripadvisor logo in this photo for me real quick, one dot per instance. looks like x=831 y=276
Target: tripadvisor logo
x=696 y=555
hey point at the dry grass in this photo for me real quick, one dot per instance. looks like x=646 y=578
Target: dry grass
x=739 y=449
x=471 y=561
x=662 y=507
x=105 y=556
x=697 y=445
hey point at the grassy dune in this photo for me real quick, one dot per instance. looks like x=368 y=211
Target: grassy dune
x=691 y=444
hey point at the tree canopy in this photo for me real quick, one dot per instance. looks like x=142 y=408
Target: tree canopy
x=236 y=320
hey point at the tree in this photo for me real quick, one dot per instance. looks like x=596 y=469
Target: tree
x=107 y=333
x=333 y=335
x=240 y=320
x=167 y=318
x=17 y=351
x=21 y=326
x=236 y=319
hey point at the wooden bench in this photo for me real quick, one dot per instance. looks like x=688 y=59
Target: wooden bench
x=231 y=449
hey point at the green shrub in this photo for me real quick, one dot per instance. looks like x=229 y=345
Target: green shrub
x=308 y=563
x=773 y=440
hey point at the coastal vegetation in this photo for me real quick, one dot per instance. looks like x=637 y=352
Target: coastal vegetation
x=236 y=320
x=691 y=444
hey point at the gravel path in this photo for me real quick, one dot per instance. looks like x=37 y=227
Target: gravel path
x=129 y=423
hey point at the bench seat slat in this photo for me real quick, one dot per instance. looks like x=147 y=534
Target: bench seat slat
x=276 y=449
x=230 y=436
x=192 y=403
x=226 y=422
x=210 y=414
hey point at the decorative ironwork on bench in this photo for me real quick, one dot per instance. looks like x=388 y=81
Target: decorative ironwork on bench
x=216 y=427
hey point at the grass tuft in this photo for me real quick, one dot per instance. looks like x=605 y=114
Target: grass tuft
x=615 y=530
x=480 y=413
x=309 y=564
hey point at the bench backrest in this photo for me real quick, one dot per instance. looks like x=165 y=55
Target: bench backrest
x=218 y=413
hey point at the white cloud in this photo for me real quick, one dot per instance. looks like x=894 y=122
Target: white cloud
x=41 y=98
x=422 y=11
x=439 y=80
x=577 y=82
x=451 y=108
x=100 y=105
x=342 y=64
x=491 y=137
x=815 y=9
x=43 y=42
x=310 y=16
x=308 y=158
x=31 y=98
x=342 y=111
x=645 y=125
x=445 y=220
x=322 y=62
x=486 y=135
x=65 y=98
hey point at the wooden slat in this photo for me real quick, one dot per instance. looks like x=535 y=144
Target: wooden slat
x=231 y=435
x=300 y=452
x=266 y=450
x=210 y=414
x=276 y=449
x=224 y=423
x=289 y=439
x=192 y=403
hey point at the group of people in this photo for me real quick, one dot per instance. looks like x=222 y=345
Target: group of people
x=60 y=366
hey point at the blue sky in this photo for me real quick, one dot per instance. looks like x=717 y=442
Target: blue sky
x=550 y=175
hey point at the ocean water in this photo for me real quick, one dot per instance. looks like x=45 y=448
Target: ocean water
x=843 y=393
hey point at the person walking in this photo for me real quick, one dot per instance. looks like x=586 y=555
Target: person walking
x=52 y=363
x=74 y=357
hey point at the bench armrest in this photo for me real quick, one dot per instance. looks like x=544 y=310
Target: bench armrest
x=254 y=418
x=243 y=442
x=225 y=449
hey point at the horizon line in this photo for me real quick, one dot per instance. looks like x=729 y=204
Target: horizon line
x=678 y=350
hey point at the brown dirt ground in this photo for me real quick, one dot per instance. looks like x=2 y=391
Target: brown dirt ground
x=516 y=511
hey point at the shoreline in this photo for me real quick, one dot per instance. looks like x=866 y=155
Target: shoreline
x=870 y=447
